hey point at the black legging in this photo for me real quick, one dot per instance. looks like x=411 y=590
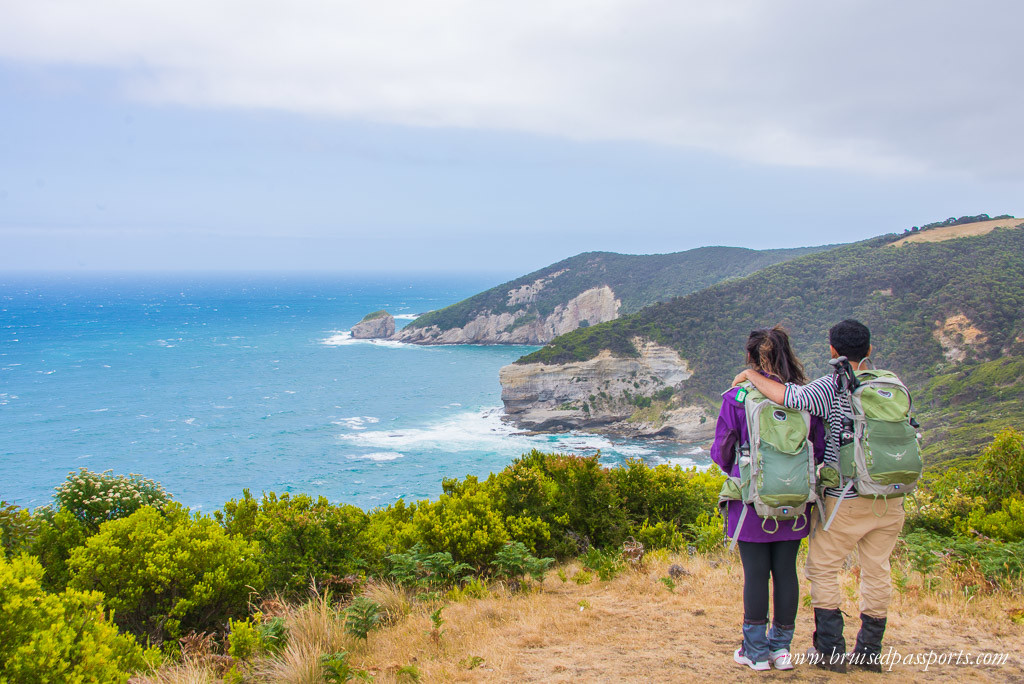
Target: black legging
x=777 y=559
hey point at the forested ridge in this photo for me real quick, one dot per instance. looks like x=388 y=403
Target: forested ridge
x=903 y=294
x=637 y=280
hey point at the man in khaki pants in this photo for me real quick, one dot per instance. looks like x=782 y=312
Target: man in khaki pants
x=863 y=524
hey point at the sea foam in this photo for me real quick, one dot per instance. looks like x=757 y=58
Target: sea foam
x=481 y=431
x=343 y=338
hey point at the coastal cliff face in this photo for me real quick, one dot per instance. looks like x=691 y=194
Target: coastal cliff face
x=590 y=307
x=375 y=326
x=623 y=396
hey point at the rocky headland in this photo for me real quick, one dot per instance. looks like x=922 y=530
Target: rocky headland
x=521 y=326
x=377 y=325
x=625 y=396
x=582 y=291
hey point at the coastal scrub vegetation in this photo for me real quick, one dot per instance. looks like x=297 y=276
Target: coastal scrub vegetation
x=295 y=588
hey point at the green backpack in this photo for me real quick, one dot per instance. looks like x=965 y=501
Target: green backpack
x=777 y=469
x=883 y=458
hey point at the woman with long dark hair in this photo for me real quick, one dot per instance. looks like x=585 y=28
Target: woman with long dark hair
x=767 y=552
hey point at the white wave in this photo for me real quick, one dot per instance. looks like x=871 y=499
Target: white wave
x=380 y=456
x=481 y=431
x=49 y=372
x=696 y=451
x=357 y=422
x=407 y=317
x=190 y=421
x=633 y=450
x=343 y=338
x=681 y=461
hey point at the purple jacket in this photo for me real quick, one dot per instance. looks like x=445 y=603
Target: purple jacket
x=732 y=429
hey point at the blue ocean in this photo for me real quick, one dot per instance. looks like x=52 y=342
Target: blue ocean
x=211 y=384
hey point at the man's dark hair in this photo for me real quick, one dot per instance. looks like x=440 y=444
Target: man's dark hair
x=851 y=339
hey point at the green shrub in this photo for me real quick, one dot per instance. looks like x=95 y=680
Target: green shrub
x=166 y=575
x=94 y=498
x=59 y=637
x=533 y=532
x=514 y=562
x=665 y=493
x=585 y=504
x=18 y=529
x=473 y=589
x=59 y=534
x=466 y=526
x=707 y=532
x=583 y=577
x=1006 y=524
x=244 y=637
x=662 y=535
x=944 y=504
x=607 y=564
x=1000 y=468
x=388 y=530
x=300 y=537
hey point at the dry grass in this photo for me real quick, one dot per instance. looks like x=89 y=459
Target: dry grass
x=394 y=601
x=951 y=232
x=632 y=629
x=187 y=672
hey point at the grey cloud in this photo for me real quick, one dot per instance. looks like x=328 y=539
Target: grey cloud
x=872 y=86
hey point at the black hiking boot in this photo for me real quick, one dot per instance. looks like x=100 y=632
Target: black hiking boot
x=867 y=652
x=829 y=650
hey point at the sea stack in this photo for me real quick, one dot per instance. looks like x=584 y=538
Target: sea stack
x=376 y=325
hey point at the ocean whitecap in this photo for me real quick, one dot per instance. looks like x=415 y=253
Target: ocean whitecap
x=380 y=456
x=343 y=338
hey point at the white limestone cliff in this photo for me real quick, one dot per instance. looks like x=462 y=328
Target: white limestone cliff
x=620 y=395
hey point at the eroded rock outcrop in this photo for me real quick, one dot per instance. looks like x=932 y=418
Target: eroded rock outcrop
x=624 y=396
x=377 y=325
x=590 y=307
x=958 y=335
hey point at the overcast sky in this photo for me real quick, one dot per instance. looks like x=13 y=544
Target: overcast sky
x=496 y=136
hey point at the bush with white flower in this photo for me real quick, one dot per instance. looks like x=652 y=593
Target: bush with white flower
x=94 y=498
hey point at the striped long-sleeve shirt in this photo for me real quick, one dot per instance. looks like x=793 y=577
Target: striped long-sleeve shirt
x=821 y=398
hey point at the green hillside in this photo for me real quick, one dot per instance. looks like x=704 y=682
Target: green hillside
x=904 y=294
x=637 y=280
